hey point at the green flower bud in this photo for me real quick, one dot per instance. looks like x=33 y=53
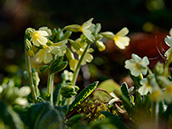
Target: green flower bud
x=69 y=54
x=43 y=68
x=58 y=65
x=29 y=32
x=69 y=91
x=100 y=45
x=73 y=28
x=35 y=76
x=66 y=35
x=59 y=35
x=108 y=35
x=28 y=45
x=75 y=45
x=98 y=37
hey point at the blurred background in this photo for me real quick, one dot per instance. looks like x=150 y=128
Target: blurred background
x=149 y=21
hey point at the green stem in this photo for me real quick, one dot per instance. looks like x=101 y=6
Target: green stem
x=156 y=114
x=29 y=70
x=75 y=75
x=50 y=85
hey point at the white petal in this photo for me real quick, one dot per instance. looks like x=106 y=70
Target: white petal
x=87 y=23
x=43 y=33
x=143 y=90
x=88 y=35
x=168 y=41
x=123 y=32
x=136 y=58
x=145 y=60
x=167 y=53
x=129 y=64
x=122 y=42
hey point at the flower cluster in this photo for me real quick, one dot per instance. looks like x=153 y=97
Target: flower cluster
x=44 y=49
x=156 y=84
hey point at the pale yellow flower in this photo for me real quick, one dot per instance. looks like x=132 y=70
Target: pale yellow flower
x=87 y=29
x=44 y=55
x=120 y=39
x=39 y=38
x=137 y=65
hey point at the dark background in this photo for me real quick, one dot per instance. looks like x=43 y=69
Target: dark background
x=148 y=21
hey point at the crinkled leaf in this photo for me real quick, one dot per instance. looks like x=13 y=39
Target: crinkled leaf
x=44 y=116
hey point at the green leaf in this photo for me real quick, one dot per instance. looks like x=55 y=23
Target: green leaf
x=124 y=89
x=50 y=120
x=83 y=95
x=9 y=117
x=115 y=120
x=108 y=85
x=56 y=94
x=66 y=35
x=44 y=116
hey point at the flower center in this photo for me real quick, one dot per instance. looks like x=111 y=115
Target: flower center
x=36 y=35
x=116 y=38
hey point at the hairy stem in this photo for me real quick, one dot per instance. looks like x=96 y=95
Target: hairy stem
x=75 y=75
x=29 y=70
x=50 y=85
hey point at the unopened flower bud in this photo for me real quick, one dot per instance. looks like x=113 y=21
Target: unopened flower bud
x=73 y=28
x=108 y=35
x=100 y=45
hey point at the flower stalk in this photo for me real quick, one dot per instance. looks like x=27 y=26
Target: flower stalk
x=29 y=70
x=50 y=84
x=75 y=75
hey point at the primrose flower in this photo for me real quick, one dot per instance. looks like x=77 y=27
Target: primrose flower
x=44 y=55
x=168 y=94
x=137 y=65
x=145 y=88
x=87 y=29
x=39 y=38
x=120 y=39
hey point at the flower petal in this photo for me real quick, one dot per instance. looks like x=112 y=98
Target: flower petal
x=123 y=32
x=168 y=40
